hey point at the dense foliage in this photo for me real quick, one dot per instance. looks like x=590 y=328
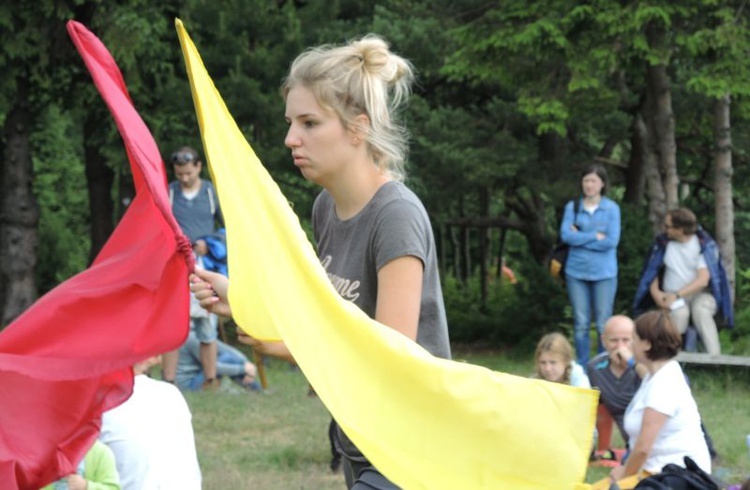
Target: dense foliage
x=513 y=98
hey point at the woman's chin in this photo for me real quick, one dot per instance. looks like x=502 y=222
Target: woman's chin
x=311 y=176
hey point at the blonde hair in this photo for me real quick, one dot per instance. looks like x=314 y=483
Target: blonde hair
x=556 y=343
x=362 y=77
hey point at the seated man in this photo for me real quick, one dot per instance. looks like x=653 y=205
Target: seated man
x=616 y=375
x=684 y=274
x=229 y=362
x=151 y=435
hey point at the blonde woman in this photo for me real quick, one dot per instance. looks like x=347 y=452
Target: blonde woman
x=373 y=234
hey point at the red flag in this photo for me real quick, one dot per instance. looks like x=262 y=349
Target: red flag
x=68 y=358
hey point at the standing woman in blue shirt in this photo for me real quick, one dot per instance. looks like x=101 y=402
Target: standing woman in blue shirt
x=592 y=233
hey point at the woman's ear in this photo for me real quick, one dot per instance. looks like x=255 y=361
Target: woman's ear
x=646 y=345
x=359 y=129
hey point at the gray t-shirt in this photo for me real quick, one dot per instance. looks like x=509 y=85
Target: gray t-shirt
x=393 y=224
x=197 y=216
x=616 y=393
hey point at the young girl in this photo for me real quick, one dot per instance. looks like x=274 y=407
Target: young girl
x=373 y=234
x=554 y=362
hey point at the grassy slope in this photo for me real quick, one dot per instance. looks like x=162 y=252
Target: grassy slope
x=278 y=440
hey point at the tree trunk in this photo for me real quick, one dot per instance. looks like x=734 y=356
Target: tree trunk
x=457 y=261
x=466 y=252
x=657 y=205
x=19 y=213
x=664 y=132
x=99 y=179
x=443 y=247
x=635 y=176
x=723 y=186
x=531 y=223
x=660 y=150
x=655 y=191
x=533 y=228
x=501 y=254
x=484 y=203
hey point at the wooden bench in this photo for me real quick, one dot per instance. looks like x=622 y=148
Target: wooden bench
x=718 y=360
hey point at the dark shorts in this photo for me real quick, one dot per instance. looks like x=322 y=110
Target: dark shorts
x=360 y=474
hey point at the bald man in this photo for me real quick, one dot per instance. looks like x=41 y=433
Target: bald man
x=617 y=376
x=614 y=372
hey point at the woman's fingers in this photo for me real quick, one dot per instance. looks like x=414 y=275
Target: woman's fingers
x=212 y=281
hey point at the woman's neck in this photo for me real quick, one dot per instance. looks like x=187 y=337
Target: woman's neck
x=654 y=366
x=352 y=192
x=592 y=200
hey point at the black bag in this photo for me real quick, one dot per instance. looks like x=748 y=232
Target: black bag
x=557 y=260
x=674 y=477
x=559 y=255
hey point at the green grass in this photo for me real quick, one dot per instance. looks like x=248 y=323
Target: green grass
x=279 y=439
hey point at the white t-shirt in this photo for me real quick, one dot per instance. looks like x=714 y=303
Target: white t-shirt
x=667 y=392
x=578 y=376
x=152 y=437
x=682 y=261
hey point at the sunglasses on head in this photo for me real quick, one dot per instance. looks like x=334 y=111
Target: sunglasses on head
x=183 y=157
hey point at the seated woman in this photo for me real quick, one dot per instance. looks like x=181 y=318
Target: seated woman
x=662 y=419
x=554 y=362
x=229 y=362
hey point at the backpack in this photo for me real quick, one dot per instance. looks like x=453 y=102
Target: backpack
x=559 y=255
x=674 y=477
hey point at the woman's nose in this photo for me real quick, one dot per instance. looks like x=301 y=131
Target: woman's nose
x=291 y=140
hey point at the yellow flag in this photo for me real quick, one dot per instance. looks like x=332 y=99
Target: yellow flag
x=426 y=423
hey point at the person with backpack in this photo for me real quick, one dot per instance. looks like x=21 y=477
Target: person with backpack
x=591 y=228
x=662 y=419
x=683 y=274
x=196 y=209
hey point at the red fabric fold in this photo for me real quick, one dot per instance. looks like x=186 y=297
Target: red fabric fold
x=68 y=358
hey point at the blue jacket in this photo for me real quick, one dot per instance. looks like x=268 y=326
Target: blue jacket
x=718 y=283
x=590 y=259
x=216 y=259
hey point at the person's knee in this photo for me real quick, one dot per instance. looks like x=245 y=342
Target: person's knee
x=680 y=318
x=371 y=479
x=703 y=306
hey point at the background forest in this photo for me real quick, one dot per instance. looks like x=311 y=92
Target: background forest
x=514 y=97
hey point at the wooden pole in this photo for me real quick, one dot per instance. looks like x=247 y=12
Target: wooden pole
x=260 y=365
